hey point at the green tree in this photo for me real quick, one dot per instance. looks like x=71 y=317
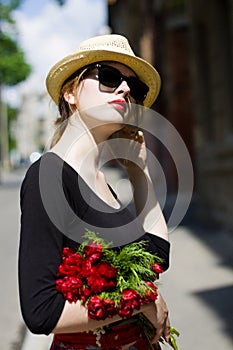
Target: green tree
x=12 y=57
x=13 y=67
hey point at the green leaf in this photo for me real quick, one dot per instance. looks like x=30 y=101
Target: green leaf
x=173 y=332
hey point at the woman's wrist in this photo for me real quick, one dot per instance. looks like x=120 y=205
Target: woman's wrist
x=136 y=174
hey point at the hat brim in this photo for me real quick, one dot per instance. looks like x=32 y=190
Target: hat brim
x=71 y=63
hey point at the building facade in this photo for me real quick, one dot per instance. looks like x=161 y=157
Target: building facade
x=192 y=47
x=34 y=125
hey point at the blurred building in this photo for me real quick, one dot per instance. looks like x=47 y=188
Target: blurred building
x=34 y=125
x=190 y=42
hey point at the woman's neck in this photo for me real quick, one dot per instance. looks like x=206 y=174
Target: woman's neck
x=77 y=145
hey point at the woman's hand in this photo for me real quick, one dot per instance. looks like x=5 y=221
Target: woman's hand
x=157 y=314
x=129 y=147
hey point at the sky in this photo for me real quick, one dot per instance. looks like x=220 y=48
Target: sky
x=48 y=32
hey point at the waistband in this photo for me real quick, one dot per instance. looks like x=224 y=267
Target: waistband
x=112 y=336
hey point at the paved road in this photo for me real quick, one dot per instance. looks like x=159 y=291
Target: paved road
x=198 y=287
x=11 y=325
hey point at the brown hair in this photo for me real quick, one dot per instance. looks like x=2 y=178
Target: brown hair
x=65 y=109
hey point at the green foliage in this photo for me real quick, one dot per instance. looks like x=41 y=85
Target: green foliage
x=6 y=7
x=12 y=115
x=91 y=236
x=13 y=66
x=134 y=265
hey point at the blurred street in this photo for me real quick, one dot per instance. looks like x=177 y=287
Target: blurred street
x=198 y=286
x=11 y=326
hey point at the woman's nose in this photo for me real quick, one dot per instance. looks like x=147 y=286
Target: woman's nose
x=123 y=88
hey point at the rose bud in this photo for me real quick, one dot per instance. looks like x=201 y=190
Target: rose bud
x=157 y=268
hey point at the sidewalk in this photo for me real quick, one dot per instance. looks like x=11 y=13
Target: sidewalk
x=12 y=328
x=199 y=288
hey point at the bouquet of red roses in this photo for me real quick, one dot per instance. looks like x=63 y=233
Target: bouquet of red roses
x=107 y=281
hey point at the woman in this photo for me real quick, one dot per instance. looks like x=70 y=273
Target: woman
x=97 y=89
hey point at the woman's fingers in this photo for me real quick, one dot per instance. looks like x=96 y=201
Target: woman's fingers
x=163 y=331
x=163 y=323
x=166 y=333
x=130 y=132
x=128 y=146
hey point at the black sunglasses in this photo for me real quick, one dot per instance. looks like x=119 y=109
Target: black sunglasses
x=111 y=77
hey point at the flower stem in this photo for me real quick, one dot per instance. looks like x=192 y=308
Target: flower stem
x=135 y=274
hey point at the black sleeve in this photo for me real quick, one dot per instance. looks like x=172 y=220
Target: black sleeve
x=160 y=247
x=39 y=256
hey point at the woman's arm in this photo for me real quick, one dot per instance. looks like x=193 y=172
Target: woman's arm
x=131 y=147
x=39 y=255
x=74 y=318
x=147 y=206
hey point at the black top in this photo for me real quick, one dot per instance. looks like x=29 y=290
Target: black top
x=56 y=208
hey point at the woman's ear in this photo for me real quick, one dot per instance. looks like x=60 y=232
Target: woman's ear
x=69 y=97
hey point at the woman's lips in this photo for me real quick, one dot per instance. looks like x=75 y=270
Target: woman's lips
x=119 y=104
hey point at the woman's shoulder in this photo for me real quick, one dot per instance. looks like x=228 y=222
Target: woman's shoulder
x=48 y=163
x=46 y=166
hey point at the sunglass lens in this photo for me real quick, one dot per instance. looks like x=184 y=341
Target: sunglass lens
x=112 y=77
x=109 y=76
x=138 y=89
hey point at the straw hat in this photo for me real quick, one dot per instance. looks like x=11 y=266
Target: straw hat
x=111 y=47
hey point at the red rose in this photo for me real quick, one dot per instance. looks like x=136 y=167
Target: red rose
x=110 y=307
x=96 y=284
x=67 y=251
x=96 y=309
x=99 y=284
x=85 y=294
x=130 y=295
x=99 y=309
x=106 y=270
x=130 y=301
x=92 y=259
x=69 y=287
x=125 y=311
x=72 y=264
x=151 y=293
x=93 y=248
x=157 y=268
x=102 y=277
x=72 y=298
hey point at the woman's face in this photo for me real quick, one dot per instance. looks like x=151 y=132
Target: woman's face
x=96 y=102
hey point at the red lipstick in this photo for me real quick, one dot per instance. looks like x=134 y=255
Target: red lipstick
x=119 y=104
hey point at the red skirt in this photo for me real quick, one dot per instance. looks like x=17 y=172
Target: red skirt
x=129 y=336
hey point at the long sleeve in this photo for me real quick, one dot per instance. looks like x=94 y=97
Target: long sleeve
x=159 y=247
x=39 y=256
